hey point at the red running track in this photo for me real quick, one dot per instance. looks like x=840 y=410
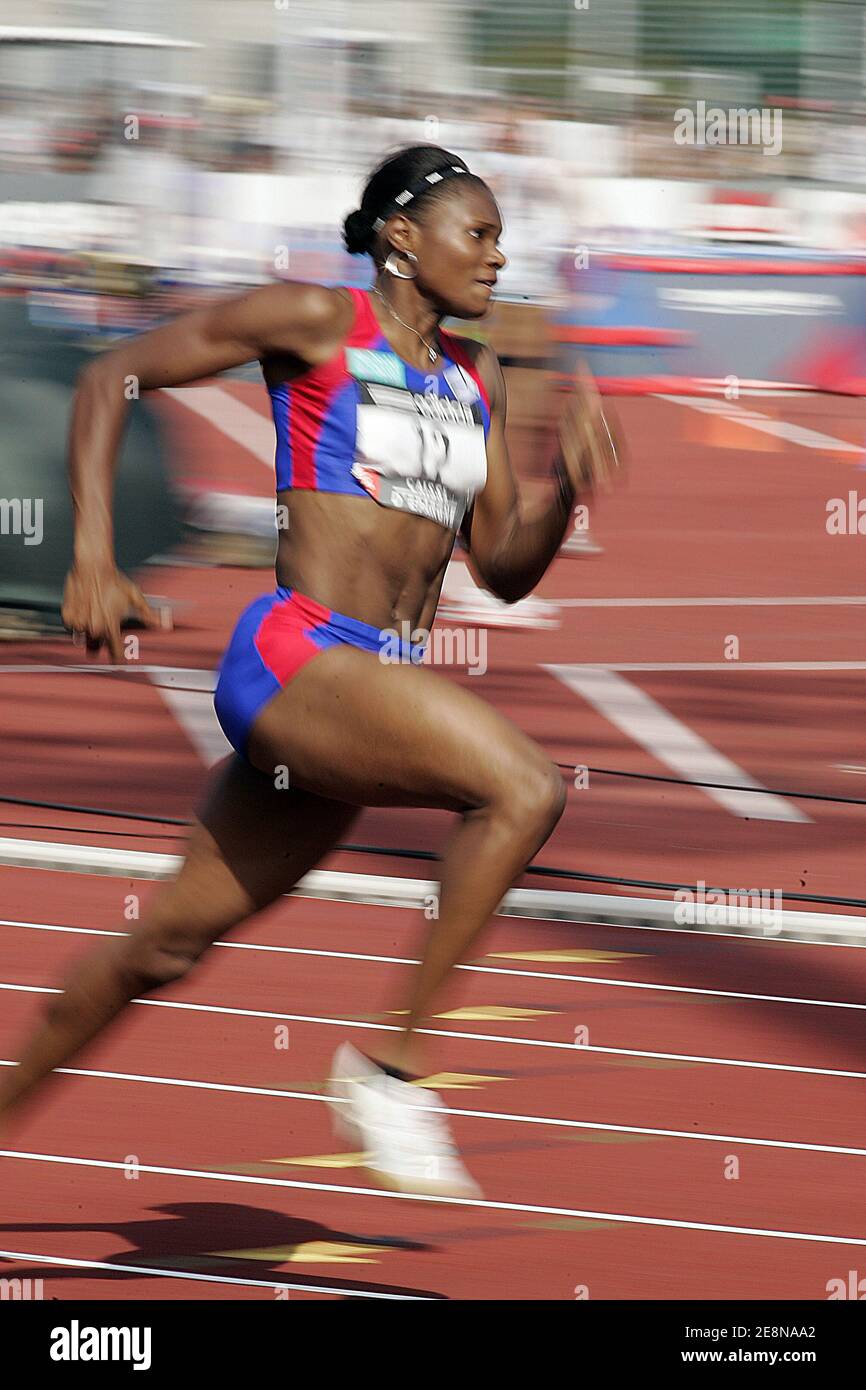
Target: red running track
x=703 y=1140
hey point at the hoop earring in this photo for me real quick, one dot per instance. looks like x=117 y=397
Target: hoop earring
x=391 y=267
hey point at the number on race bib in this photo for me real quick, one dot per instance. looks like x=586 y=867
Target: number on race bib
x=417 y=452
x=433 y=448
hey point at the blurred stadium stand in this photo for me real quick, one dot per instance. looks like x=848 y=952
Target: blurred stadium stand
x=153 y=156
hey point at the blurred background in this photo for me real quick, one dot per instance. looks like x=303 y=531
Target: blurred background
x=234 y=110
x=144 y=170
x=234 y=124
x=683 y=189
x=225 y=143
x=153 y=157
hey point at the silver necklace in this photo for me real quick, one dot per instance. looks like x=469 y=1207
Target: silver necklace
x=431 y=352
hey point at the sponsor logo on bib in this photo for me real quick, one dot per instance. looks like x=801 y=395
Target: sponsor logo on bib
x=419 y=452
x=367 y=364
x=461 y=383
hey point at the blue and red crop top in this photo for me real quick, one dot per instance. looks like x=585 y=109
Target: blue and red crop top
x=369 y=424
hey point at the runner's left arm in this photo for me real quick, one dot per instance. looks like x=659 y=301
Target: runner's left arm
x=511 y=546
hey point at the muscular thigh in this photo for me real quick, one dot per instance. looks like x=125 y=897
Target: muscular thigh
x=262 y=833
x=250 y=843
x=356 y=729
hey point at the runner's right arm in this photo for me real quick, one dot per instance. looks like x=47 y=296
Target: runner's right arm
x=286 y=318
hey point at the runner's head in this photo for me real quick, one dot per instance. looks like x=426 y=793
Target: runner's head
x=425 y=215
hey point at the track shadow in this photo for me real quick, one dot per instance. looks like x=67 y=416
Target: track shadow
x=202 y=1238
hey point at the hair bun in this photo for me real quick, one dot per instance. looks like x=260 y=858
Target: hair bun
x=357 y=231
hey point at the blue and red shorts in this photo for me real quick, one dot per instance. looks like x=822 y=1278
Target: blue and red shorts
x=274 y=637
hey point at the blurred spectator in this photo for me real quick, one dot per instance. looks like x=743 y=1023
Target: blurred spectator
x=527 y=186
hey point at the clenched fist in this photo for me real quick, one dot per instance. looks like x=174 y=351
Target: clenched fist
x=97 y=600
x=587 y=448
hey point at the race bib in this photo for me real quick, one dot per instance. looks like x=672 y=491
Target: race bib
x=418 y=451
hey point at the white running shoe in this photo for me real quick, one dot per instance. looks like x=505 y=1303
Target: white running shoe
x=581 y=543
x=399 y=1126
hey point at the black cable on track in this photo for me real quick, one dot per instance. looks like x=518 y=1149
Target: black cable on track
x=568 y=767
x=721 y=786
x=539 y=870
x=91 y=811
x=547 y=871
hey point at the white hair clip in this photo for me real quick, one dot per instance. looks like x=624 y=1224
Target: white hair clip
x=407 y=195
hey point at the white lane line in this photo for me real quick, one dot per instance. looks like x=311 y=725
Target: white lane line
x=503 y=1116
x=754 y=936
x=722 y=666
x=503 y=1039
x=673 y=743
x=602 y=980
x=479 y=1203
x=583 y=921
x=754 y=420
x=749 y=389
x=462 y=600
x=801 y=602
x=64 y=1262
x=187 y=691
x=237 y=421
x=201 y=680
x=387 y=891
x=194 y=712
x=177 y=675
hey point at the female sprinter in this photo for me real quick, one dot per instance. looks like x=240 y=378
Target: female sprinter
x=390 y=439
